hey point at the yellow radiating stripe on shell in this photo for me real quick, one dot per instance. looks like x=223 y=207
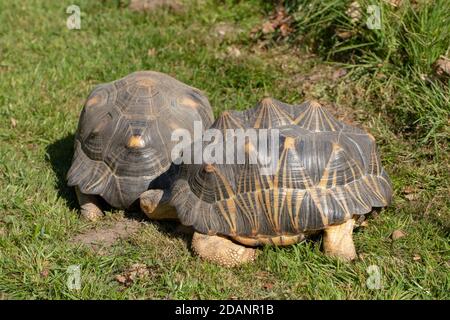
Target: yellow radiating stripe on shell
x=328 y=120
x=356 y=195
x=317 y=202
x=302 y=115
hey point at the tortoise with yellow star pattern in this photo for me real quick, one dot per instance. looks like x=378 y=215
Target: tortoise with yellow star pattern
x=123 y=143
x=327 y=174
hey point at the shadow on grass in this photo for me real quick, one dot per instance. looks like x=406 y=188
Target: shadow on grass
x=173 y=229
x=60 y=155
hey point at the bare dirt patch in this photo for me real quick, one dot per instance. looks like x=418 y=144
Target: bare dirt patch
x=104 y=237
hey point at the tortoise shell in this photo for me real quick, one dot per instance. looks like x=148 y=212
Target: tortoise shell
x=123 y=141
x=326 y=172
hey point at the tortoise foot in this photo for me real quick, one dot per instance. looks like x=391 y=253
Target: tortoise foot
x=91 y=212
x=338 y=241
x=90 y=209
x=221 y=250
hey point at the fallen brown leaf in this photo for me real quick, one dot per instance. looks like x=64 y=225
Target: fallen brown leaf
x=267 y=27
x=44 y=273
x=397 y=234
x=234 y=51
x=135 y=272
x=364 y=224
x=417 y=257
x=344 y=34
x=412 y=196
x=411 y=193
x=279 y=20
x=285 y=29
x=121 y=279
x=339 y=73
x=442 y=66
x=409 y=189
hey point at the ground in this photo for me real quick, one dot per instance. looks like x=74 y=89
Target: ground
x=46 y=73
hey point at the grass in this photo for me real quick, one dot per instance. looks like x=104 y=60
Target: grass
x=46 y=72
x=398 y=56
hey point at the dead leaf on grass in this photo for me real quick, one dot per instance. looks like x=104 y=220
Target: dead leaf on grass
x=442 y=66
x=279 y=20
x=234 y=51
x=397 y=234
x=416 y=257
x=135 y=272
x=344 y=34
x=44 y=273
x=364 y=224
x=267 y=27
x=411 y=193
x=339 y=73
x=151 y=52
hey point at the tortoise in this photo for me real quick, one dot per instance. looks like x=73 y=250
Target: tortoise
x=123 y=142
x=327 y=174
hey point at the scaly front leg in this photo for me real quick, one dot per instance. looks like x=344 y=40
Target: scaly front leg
x=338 y=241
x=90 y=209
